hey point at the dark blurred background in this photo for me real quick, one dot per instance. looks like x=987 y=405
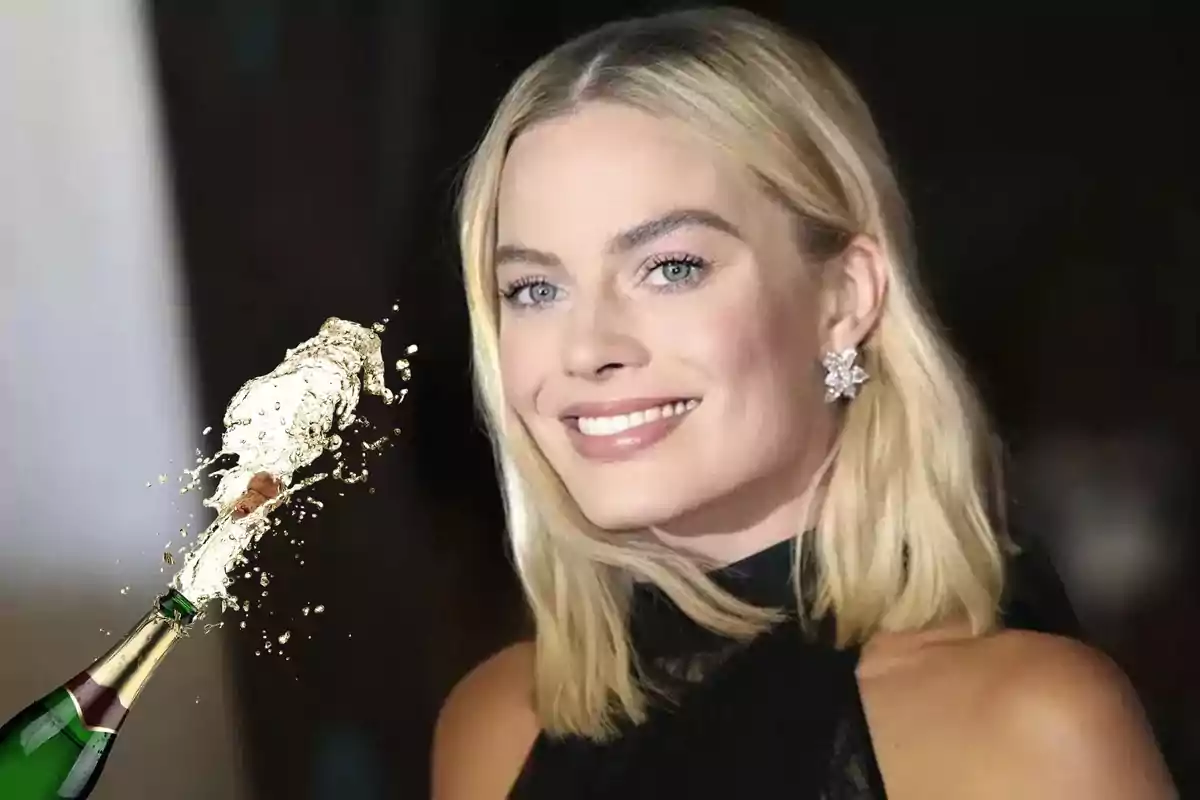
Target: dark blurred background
x=311 y=152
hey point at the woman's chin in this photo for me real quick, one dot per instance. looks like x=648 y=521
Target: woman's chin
x=629 y=517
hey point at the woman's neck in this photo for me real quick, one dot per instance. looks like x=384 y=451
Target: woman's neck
x=727 y=547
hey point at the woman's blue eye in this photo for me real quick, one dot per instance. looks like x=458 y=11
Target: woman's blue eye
x=532 y=292
x=675 y=271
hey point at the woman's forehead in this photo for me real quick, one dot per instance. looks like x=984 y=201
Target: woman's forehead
x=607 y=169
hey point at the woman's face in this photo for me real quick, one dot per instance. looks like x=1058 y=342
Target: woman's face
x=659 y=330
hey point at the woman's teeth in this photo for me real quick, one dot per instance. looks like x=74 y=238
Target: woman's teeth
x=607 y=426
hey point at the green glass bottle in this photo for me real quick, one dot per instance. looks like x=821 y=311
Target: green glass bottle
x=57 y=747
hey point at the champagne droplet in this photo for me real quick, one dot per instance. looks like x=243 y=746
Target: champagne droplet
x=404 y=368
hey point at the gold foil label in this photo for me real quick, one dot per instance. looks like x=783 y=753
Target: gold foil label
x=104 y=693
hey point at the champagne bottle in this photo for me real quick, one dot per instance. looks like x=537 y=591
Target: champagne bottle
x=57 y=747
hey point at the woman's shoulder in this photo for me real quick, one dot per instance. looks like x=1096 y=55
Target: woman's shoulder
x=1065 y=709
x=1053 y=687
x=1018 y=714
x=486 y=728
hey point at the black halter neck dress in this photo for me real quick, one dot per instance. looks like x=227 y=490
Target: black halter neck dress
x=780 y=716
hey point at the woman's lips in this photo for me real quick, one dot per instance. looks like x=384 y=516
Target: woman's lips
x=618 y=436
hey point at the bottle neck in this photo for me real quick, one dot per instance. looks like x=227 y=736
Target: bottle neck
x=105 y=691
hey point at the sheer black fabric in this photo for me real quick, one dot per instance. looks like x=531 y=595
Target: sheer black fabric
x=780 y=716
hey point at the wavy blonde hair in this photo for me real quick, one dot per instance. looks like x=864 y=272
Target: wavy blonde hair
x=903 y=536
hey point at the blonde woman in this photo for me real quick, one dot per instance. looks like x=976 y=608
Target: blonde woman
x=747 y=484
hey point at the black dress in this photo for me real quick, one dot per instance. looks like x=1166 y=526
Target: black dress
x=780 y=716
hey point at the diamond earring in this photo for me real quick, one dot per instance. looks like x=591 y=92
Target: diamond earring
x=842 y=375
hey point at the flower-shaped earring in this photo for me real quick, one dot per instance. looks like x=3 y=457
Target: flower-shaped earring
x=842 y=375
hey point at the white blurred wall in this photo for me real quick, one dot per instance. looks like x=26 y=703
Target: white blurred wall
x=95 y=389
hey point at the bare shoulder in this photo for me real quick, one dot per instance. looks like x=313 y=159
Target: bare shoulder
x=486 y=727
x=1064 y=721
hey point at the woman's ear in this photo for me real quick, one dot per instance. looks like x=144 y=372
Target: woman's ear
x=854 y=288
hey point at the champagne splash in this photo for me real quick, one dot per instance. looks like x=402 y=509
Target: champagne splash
x=280 y=423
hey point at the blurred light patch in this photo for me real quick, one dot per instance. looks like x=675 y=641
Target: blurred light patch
x=1106 y=511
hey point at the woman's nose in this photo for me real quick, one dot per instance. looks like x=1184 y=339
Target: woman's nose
x=600 y=340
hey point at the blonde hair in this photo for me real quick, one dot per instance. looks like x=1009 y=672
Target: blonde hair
x=903 y=537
